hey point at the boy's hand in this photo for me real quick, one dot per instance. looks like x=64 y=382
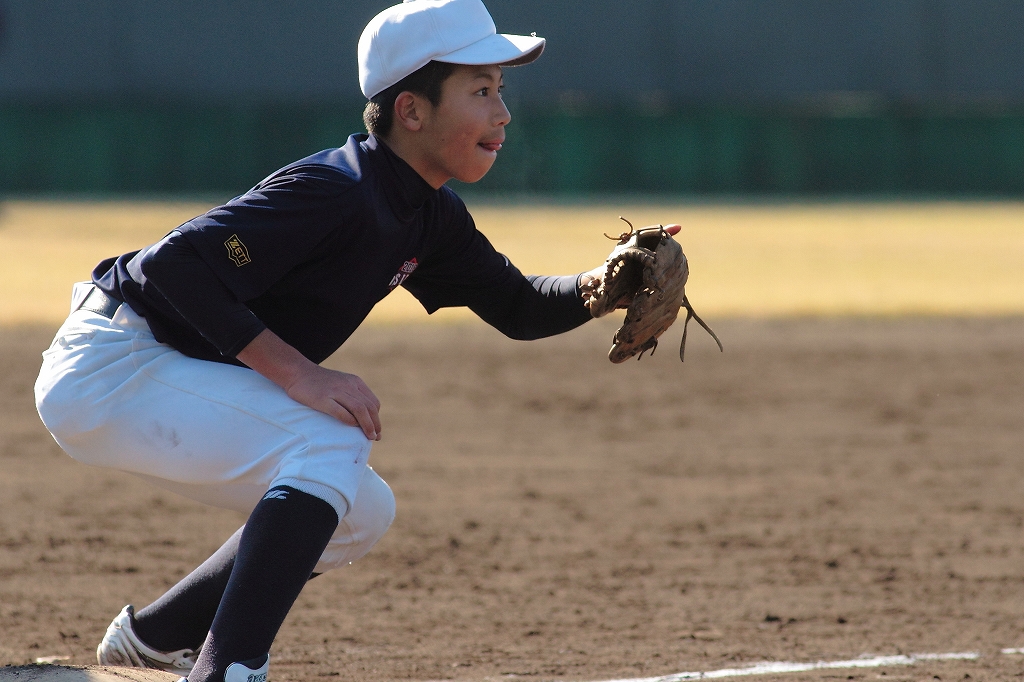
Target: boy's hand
x=589 y=283
x=343 y=396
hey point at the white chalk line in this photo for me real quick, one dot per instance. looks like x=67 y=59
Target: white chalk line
x=774 y=667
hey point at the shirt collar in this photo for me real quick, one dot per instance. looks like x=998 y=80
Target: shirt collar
x=405 y=189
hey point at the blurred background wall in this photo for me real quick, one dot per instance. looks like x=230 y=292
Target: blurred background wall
x=675 y=96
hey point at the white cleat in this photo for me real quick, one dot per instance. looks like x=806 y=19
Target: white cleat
x=122 y=647
x=248 y=671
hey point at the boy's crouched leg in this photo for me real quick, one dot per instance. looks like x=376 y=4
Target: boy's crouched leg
x=371 y=515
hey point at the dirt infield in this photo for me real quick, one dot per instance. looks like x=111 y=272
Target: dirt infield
x=825 y=488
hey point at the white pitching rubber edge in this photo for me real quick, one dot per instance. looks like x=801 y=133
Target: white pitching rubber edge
x=775 y=667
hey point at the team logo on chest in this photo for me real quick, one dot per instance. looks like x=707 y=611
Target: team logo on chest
x=403 y=274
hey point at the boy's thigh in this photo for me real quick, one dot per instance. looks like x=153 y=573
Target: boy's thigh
x=218 y=433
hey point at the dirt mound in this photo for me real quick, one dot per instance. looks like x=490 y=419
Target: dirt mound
x=88 y=673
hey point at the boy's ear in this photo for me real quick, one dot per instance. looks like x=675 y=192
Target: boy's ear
x=409 y=111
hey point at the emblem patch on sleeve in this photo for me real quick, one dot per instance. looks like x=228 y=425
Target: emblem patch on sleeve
x=403 y=274
x=237 y=252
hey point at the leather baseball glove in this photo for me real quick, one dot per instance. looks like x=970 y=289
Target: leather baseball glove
x=646 y=274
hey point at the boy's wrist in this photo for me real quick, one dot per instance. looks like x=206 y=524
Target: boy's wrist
x=587 y=282
x=269 y=355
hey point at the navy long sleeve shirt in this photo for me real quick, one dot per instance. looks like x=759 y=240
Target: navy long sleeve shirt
x=309 y=251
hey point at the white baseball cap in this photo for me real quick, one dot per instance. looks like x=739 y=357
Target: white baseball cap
x=403 y=38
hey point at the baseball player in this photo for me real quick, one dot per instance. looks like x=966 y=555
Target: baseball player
x=194 y=362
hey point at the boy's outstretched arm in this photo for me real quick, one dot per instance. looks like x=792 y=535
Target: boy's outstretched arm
x=547 y=305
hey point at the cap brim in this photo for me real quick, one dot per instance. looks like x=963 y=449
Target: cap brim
x=498 y=48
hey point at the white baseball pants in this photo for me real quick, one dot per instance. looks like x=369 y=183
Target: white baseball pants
x=113 y=396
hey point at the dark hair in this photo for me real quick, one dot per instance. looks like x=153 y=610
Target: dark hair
x=379 y=113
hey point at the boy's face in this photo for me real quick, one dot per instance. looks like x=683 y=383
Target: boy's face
x=466 y=129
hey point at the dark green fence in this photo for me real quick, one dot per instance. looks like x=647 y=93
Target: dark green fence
x=104 y=148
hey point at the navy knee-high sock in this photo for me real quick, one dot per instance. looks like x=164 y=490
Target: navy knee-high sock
x=181 y=617
x=277 y=551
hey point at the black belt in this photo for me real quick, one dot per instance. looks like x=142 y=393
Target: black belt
x=98 y=302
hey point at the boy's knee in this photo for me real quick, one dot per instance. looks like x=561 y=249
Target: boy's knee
x=383 y=502
x=369 y=519
x=372 y=513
